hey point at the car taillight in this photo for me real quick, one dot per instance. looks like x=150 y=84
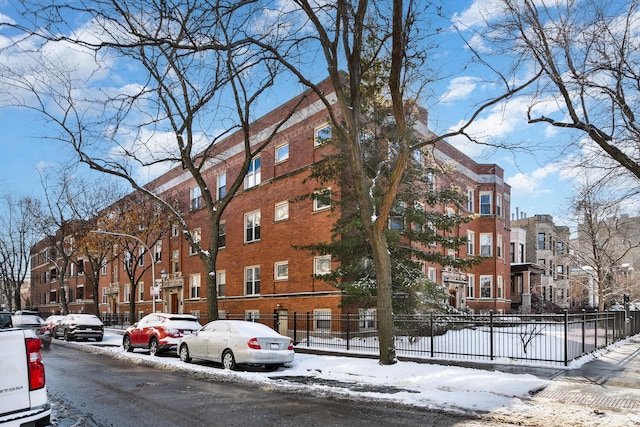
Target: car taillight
x=254 y=344
x=290 y=345
x=36 y=367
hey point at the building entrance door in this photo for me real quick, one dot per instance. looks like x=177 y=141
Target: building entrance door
x=283 y=322
x=174 y=303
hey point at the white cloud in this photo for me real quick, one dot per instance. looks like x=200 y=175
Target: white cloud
x=459 y=88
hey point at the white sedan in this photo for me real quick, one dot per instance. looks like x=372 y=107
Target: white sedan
x=237 y=342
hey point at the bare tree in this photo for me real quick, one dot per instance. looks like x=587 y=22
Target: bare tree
x=587 y=55
x=187 y=89
x=606 y=241
x=17 y=236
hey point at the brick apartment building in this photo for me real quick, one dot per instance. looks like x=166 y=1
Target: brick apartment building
x=259 y=271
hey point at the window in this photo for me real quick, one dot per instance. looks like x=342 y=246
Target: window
x=103 y=268
x=282 y=152
x=196 y=235
x=141 y=291
x=282 y=211
x=252 y=227
x=322 y=199
x=252 y=280
x=72 y=269
x=252 y=315
x=322 y=265
x=470 y=197
x=80 y=266
x=281 y=270
x=471 y=286
x=128 y=263
x=541 y=241
x=486 y=283
x=431 y=274
x=560 y=248
x=253 y=174
x=367 y=319
x=194 y=286
x=499 y=205
x=500 y=286
x=222 y=235
x=222 y=283
x=175 y=261
x=486 y=244
x=431 y=181
x=175 y=231
x=141 y=257
x=104 y=296
x=471 y=237
x=157 y=252
x=221 y=185
x=322 y=319
x=499 y=246
x=80 y=293
x=196 y=198
x=126 y=295
x=321 y=135
x=485 y=203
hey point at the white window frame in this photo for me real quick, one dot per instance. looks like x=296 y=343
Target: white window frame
x=486 y=203
x=318 y=139
x=499 y=205
x=470 y=199
x=318 y=204
x=126 y=293
x=471 y=285
x=281 y=211
x=281 y=270
x=471 y=243
x=140 y=291
x=222 y=232
x=252 y=218
x=221 y=185
x=195 y=200
x=251 y=280
x=141 y=257
x=486 y=244
x=320 y=264
x=157 y=252
x=195 y=286
x=253 y=177
x=321 y=319
x=499 y=247
x=500 y=289
x=196 y=235
x=486 y=282
x=221 y=283
x=282 y=153
x=103 y=267
x=432 y=274
x=104 y=295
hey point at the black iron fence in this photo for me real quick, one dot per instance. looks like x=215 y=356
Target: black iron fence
x=546 y=338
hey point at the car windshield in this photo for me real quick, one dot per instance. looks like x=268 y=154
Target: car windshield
x=27 y=319
x=182 y=323
x=87 y=320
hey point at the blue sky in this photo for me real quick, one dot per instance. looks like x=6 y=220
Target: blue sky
x=539 y=181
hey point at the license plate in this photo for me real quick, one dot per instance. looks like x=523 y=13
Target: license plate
x=274 y=346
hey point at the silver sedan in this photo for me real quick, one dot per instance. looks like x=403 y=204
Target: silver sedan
x=237 y=342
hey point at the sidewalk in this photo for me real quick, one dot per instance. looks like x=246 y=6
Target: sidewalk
x=612 y=381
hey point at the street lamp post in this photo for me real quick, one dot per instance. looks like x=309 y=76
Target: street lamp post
x=153 y=268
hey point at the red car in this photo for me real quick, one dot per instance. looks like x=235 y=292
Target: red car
x=159 y=332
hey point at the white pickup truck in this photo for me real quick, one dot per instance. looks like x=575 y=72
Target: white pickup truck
x=23 y=392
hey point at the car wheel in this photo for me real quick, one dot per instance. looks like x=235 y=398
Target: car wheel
x=153 y=347
x=126 y=344
x=272 y=367
x=228 y=361
x=99 y=339
x=184 y=353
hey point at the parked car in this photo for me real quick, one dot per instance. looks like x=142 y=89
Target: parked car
x=51 y=323
x=237 y=342
x=80 y=327
x=26 y=319
x=159 y=332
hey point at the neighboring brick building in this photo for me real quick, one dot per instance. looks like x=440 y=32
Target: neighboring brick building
x=259 y=272
x=547 y=249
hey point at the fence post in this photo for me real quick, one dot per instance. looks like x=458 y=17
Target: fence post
x=295 y=328
x=566 y=337
x=308 y=343
x=348 y=330
x=491 y=334
x=584 y=330
x=431 y=333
